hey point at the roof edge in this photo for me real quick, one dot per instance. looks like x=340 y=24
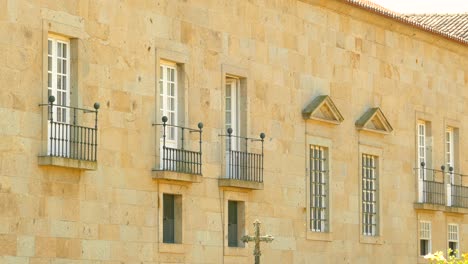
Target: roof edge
x=400 y=18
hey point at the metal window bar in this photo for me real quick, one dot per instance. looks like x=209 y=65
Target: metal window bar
x=180 y=159
x=433 y=190
x=71 y=140
x=244 y=165
x=318 y=189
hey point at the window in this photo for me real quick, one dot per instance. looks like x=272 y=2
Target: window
x=453 y=239
x=234 y=118
x=369 y=195
x=58 y=85
x=451 y=150
x=172 y=218
x=168 y=99
x=424 y=238
x=318 y=189
x=421 y=146
x=235 y=223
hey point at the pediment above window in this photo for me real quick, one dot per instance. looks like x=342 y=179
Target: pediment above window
x=374 y=120
x=323 y=109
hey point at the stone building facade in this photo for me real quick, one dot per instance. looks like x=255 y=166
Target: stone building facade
x=351 y=100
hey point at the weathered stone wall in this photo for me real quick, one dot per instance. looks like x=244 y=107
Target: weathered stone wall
x=290 y=52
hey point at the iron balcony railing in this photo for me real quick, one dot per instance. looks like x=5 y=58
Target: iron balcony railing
x=459 y=195
x=174 y=156
x=431 y=190
x=439 y=187
x=66 y=137
x=241 y=164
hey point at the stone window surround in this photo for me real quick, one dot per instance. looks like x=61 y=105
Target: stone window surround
x=241 y=250
x=326 y=143
x=378 y=152
x=429 y=238
x=168 y=188
x=180 y=59
x=69 y=27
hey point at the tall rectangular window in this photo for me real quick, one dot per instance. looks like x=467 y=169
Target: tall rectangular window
x=172 y=218
x=421 y=147
x=168 y=99
x=424 y=238
x=318 y=189
x=453 y=239
x=369 y=195
x=450 y=152
x=235 y=223
x=232 y=112
x=58 y=86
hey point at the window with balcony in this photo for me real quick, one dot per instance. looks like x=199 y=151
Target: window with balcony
x=243 y=162
x=71 y=132
x=424 y=238
x=430 y=180
x=319 y=203
x=179 y=146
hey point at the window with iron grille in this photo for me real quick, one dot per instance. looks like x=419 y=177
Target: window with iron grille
x=318 y=189
x=369 y=195
x=172 y=218
x=424 y=238
x=453 y=239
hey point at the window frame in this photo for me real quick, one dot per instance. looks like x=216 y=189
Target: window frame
x=326 y=143
x=164 y=96
x=373 y=150
x=427 y=238
x=369 y=190
x=177 y=218
x=240 y=220
x=323 y=197
x=456 y=240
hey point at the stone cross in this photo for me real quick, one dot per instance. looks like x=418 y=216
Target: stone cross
x=257 y=239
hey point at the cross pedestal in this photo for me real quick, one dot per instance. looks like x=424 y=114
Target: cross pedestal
x=257 y=239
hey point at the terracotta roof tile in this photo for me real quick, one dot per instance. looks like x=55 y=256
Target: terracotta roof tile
x=455 y=28
x=455 y=24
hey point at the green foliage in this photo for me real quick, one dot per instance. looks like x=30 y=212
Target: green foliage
x=439 y=258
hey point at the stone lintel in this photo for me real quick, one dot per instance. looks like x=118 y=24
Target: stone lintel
x=67 y=163
x=177 y=176
x=252 y=185
x=438 y=207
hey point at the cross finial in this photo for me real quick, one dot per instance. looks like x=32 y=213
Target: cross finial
x=257 y=239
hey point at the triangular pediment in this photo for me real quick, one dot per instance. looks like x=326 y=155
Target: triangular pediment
x=323 y=109
x=374 y=120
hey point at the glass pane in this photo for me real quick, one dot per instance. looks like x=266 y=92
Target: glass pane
x=59 y=82
x=59 y=66
x=64 y=83
x=49 y=63
x=64 y=67
x=172 y=75
x=59 y=49
x=49 y=47
x=64 y=46
x=49 y=80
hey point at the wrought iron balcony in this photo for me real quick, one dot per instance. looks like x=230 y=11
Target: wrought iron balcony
x=70 y=133
x=242 y=165
x=438 y=187
x=173 y=153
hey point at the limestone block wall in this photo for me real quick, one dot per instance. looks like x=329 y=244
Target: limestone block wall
x=289 y=52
